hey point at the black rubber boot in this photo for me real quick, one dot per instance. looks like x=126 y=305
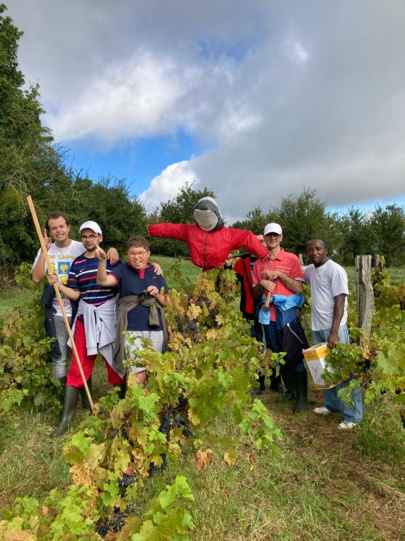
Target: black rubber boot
x=301 y=387
x=275 y=381
x=84 y=397
x=60 y=396
x=122 y=391
x=262 y=385
x=69 y=408
x=257 y=391
x=289 y=381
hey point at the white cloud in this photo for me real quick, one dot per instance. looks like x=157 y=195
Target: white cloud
x=166 y=185
x=131 y=100
x=295 y=51
x=284 y=94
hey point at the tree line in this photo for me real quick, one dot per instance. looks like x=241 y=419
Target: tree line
x=31 y=163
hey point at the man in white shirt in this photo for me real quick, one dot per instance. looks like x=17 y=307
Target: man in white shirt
x=61 y=253
x=329 y=292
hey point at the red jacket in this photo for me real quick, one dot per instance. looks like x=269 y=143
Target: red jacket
x=208 y=250
x=243 y=271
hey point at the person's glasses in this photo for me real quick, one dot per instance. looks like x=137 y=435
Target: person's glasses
x=137 y=254
x=274 y=235
x=89 y=237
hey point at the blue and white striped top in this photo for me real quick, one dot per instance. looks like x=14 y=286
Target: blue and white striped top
x=83 y=277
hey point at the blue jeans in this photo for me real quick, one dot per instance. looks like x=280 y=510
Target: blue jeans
x=332 y=401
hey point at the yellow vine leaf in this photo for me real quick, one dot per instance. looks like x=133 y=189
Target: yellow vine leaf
x=193 y=311
x=82 y=474
x=230 y=457
x=139 y=461
x=203 y=458
x=193 y=417
x=96 y=454
x=211 y=334
x=19 y=535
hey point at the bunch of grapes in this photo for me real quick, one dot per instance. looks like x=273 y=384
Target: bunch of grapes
x=154 y=469
x=182 y=403
x=180 y=421
x=102 y=528
x=193 y=329
x=179 y=323
x=114 y=523
x=165 y=423
x=126 y=480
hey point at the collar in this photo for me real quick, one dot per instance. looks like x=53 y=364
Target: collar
x=278 y=256
x=140 y=272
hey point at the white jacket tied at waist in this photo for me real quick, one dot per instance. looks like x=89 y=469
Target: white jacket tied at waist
x=100 y=323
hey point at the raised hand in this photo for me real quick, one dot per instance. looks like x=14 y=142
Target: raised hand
x=100 y=253
x=47 y=240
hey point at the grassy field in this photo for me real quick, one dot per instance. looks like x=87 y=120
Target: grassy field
x=319 y=483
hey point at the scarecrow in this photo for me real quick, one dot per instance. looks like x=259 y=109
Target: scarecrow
x=208 y=240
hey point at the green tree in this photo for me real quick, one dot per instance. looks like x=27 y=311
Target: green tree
x=27 y=154
x=30 y=163
x=178 y=211
x=255 y=220
x=304 y=217
x=388 y=227
x=110 y=204
x=358 y=237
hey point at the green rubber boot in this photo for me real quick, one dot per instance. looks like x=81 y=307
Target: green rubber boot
x=84 y=397
x=69 y=408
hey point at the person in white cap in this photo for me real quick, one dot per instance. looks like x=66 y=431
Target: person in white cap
x=61 y=253
x=280 y=275
x=95 y=324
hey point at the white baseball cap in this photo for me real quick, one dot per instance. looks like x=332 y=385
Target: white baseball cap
x=272 y=228
x=91 y=225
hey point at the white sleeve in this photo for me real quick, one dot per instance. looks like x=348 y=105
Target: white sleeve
x=339 y=283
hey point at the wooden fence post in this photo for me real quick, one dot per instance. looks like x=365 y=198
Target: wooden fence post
x=365 y=293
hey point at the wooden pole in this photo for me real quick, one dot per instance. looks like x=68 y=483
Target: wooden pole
x=57 y=293
x=365 y=293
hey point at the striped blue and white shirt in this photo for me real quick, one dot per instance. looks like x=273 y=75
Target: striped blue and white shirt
x=83 y=277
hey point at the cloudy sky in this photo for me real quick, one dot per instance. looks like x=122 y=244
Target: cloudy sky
x=254 y=99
